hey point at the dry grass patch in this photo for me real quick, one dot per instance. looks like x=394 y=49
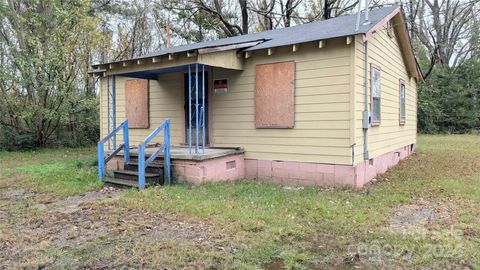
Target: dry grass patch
x=424 y=213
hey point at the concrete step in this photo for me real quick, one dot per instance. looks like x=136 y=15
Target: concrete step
x=117 y=182
x=151 y=178
x=152 y=168
x=158 y=160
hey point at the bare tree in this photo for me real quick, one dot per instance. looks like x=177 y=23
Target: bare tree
x=264 y=11
x=219 y=10
x=288 y=9
x=326 y=9
x=244 y=11
x=444 y=28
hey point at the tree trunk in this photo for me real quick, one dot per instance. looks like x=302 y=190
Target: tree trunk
x=243 y=8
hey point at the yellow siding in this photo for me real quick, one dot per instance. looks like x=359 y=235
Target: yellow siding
x=328 y=104
x=322 y=107
x=166 y=101
x=385 y=52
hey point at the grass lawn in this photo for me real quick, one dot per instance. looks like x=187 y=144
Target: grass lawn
x=424 y=213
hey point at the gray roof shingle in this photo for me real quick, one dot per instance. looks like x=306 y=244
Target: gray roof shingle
x=319 y=30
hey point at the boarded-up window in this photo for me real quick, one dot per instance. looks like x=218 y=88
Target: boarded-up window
x=275 y=95
x=136 y=103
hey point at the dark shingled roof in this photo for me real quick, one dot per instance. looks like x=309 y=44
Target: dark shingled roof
x=319 y=30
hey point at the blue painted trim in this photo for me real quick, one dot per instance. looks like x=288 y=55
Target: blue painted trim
x=126 y=143
x=166 y=159
x=142 y=164
x=102 y=160
x=152 y=74
x=154 y=156
x=120 y=127
x=141 y=75
x=203 y=108
x=201 y=117
x=196 y=109
x=189 y=109
x=155 y=132
x=109 y=127
x=114 y=109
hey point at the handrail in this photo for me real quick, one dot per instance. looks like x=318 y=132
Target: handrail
x=143 y=164
x=102 y=160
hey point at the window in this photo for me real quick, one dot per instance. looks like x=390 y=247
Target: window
x=402 y=102
x=231 y=164
x=136 y=103
x=375 y=91
x=275 y=95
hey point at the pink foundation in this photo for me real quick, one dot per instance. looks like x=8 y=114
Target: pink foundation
x=291 y=173
x=313 y=174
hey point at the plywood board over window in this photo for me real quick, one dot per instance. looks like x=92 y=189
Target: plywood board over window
x=136 y=103
x=275 y=95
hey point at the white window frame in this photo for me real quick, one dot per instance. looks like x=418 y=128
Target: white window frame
x=402 y=106
x=375 y=96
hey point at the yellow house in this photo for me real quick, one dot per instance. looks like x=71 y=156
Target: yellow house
x=331 y=102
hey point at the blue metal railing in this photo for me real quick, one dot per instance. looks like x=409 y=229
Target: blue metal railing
x=194 y=78
x=202 y=119
x=102 y=160
x=143 y=164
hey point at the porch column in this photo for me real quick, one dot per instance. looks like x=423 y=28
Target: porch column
x=111 y=110
x=114 y=110
x=196 y=109
x=203 y=109
x=189 y=109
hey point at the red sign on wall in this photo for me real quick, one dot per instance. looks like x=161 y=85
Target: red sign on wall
x=220 y=86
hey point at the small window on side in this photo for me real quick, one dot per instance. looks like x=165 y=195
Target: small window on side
x=402 y=102
x=375 y=93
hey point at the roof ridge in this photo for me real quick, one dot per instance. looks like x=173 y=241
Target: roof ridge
x=317 y=30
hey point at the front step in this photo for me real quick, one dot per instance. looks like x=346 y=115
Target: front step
x=117 y=182
x=133 y=175
x=128 y=177
x=152 y=168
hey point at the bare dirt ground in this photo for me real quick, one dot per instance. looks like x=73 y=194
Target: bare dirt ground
x=419 y=217
x=422 y=214
x=74 y=221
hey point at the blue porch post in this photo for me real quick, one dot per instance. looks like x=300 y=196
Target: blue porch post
x=189 y=109
x=109 y=127
x=141 y=166
x=126 y=144
x=203 y=108
x=196 y=109
x=114 y=110
x=101 y=160
x=166 y=159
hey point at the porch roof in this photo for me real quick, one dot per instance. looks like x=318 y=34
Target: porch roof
x=152 y=74
x=149 y=68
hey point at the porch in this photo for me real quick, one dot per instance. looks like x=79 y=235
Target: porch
x=146 y=100
x=181 y=152
x=213 y=164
